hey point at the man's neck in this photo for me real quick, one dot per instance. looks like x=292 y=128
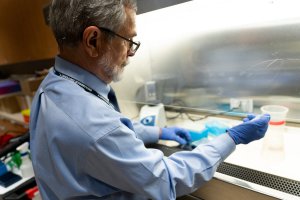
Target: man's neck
x=79 y=58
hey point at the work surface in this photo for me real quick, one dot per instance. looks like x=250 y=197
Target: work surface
x=276 y=165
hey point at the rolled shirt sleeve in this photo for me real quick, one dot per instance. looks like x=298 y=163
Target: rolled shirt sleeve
x=148 y=134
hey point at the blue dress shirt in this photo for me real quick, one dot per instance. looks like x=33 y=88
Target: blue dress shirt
x=81 y=148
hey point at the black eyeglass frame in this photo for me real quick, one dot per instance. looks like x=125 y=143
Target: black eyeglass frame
x=131 y=43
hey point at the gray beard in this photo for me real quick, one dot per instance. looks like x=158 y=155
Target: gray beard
x=115 y=73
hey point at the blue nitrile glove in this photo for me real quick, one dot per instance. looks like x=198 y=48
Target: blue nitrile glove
x=253 y=128
x=249 y=117
x=179 y=135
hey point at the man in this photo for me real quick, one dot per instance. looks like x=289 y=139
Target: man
x=81 y=146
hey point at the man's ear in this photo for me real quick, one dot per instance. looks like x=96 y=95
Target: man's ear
x=91 y=40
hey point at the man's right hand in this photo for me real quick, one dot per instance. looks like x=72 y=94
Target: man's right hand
x=253 y=128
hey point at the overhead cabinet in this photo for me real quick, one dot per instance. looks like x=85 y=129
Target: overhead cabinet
x=24 y=35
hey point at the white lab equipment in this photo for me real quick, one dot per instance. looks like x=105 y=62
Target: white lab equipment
x=26 y=166
x=153 y=115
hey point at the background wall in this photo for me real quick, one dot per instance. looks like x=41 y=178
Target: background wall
x=203 y=53
x=24 y=35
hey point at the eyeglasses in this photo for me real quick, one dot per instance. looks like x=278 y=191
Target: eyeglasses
x=133 y=46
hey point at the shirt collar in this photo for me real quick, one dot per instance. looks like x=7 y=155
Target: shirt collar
x=82 y=75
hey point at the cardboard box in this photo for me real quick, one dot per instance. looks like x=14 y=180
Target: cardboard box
x=10 y=104
x=30 y=85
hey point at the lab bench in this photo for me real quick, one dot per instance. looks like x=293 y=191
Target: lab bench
x=249 y=172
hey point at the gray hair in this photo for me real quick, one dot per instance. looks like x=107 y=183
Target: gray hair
x=69 y=18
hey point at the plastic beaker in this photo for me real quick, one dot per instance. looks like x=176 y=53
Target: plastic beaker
x=274 y=138
x=278 y=113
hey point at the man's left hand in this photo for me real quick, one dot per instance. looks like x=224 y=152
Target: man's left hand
x=180 y=135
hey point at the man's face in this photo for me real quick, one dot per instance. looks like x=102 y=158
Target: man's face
x=117 y=56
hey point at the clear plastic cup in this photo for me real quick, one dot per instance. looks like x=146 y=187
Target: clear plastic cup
x=278 y=113
x=274 y=139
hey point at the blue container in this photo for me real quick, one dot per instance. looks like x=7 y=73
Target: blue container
x=212 y=128
x=198 y=135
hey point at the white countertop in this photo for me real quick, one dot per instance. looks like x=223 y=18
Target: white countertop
x=284 y=163
x=256 y=155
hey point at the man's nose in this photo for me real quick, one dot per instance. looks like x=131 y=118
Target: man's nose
x=129 y=53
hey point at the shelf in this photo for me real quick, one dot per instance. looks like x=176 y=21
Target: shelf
x=15 y=117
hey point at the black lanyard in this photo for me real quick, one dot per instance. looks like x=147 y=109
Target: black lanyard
x=84 y=86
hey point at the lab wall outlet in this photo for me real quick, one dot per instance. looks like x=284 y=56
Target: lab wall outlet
x=244 y=104
x=247 y=105
x=234 y=103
